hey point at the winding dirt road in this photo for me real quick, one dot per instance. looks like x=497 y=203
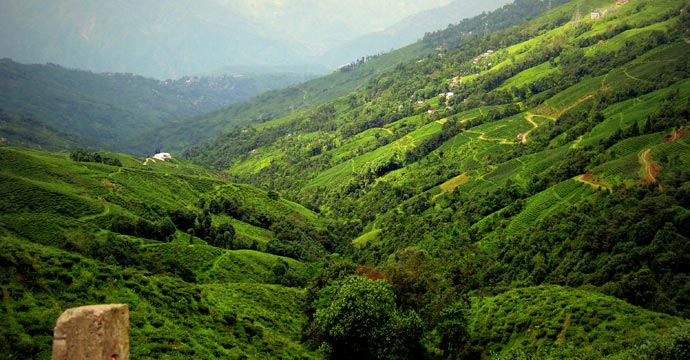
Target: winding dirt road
x=650 y=168
x=587 y=179
x=530 y=119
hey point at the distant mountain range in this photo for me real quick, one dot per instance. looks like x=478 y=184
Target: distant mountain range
x=175 y=38
x=106 y=110
x=408 y=30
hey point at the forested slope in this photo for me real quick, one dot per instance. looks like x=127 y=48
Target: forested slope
x=553 y=152
x=197 y=260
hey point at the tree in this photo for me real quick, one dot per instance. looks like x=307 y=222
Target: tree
x=452 y=330
x=273 y=195
x=363 y=322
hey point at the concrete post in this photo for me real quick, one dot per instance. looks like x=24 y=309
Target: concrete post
x=94 y=332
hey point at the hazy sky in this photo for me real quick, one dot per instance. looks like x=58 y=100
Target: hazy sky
x=171 y=38
x=324 y=23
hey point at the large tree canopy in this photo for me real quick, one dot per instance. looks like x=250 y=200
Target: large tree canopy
x=363 y=322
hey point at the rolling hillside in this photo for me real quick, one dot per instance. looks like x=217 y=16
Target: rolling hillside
x=552 y=152
x=168 y=238
x=519 y=194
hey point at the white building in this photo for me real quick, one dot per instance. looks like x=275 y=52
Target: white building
x=162 y=156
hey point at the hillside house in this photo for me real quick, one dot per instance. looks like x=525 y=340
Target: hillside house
x=162 y=156
x=596 y=14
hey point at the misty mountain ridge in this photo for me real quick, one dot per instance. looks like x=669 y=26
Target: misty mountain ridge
x=105 y=111
x=210 y=36
x=407 y=30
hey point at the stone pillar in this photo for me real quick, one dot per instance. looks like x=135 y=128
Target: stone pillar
x=94 y=332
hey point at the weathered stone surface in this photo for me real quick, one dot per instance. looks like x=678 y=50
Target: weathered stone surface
x=98 y=332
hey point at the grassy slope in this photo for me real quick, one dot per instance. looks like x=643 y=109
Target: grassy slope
x=564 y=323
x=474 y=146
x=273 y=104
x=49 y=202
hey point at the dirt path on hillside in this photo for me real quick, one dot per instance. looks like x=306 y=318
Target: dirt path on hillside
x=677 y=135
x=650 y=168
x=625 y=71
x=578 y=102
x=482 y=136
x=587 y=179
x=105 y=212
x=530 y=119
x=603 y=82
x=216 y=262
x=576 y=142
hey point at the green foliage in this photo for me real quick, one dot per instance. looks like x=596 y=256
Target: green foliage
x=26 y=131
x=362 y=322
x=81 y=155
x=76 y=233
x=169 y=317
x=453 y=331
x=674 y=346
x=555 y=322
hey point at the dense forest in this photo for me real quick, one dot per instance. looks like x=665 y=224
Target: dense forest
x=518 y=190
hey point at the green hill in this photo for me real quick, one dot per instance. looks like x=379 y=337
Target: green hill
x=556 y=322
x=169 y=239
x=552 y=152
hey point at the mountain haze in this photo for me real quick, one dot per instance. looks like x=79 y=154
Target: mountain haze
x=107 y=111
x=408 y=30
x=176 y=38
x=355 y=75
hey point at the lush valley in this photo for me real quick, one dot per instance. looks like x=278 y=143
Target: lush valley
x=554 y=155
x=519 y=195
